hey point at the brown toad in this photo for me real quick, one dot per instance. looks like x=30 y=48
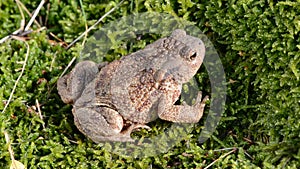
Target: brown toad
x=110 y=100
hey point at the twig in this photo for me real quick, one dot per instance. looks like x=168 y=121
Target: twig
x=24 y=31
x=27 y=11
x=287 y=160
x=22 y=25
x=34 y=15
x=4 y=39
x=92 y=27
x=55 y=37
x=70 y=63
x=86 y=26
x=248 y=155
x=65 y=70
x=231 y=148
x=53 y=60
x=40 y=29
x=47 y=15
x=22 y=71
x=39 y=111
x=72 y=141
x=222 y=156
x=248 y=140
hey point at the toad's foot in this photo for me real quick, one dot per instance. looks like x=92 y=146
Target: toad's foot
x=135 y=127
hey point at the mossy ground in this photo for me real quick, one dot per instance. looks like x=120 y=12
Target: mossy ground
x=258 y=42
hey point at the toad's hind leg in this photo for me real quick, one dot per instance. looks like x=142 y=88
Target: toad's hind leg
x=101 y=124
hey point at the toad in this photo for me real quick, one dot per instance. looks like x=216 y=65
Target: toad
x=110 y=100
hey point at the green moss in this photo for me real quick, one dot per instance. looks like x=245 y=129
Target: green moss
x=258 y=42
x=267 y=35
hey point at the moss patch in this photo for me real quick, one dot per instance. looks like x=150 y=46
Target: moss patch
x=258 y=42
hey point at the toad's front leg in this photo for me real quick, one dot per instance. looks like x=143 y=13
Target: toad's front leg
x=181 y=113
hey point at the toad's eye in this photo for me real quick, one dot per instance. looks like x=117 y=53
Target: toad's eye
x=193 y=56
x=187 y=53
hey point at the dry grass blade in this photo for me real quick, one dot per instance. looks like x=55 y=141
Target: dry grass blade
x=34 y=15
x=22 y=71
x=70 y=63
x=85 y=23
x=92 y=27
x=4 y=39
x=11 y=153
x=27 y=11
x=14 y=163
x=52 y=61
x=39 y=112
x=222 y=156
x=24 y=31
x=22 y=25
